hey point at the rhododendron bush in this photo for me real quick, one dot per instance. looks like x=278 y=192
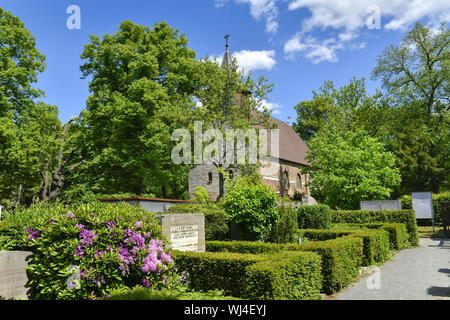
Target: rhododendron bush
x=94 y=251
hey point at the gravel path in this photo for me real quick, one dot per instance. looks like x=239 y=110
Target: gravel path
x=412 y=274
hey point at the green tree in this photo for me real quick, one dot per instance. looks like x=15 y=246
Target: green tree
x=349 y=107
x=142 y=82
x=415 y=74
x=146 y=83
x=27 y=134
x=349 y=167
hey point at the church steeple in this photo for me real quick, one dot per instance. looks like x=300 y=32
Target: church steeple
x=227 y=57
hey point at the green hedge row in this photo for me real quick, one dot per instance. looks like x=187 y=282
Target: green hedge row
x=216 y=220
x=407 y=217
x=437 y=199
x=341 y=257
x=376 y=242
x=398 y=236
x=289 y=275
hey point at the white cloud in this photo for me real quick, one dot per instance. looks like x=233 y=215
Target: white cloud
x=258 y=9
x=349 y=17
x=313 y=49
x=255 y=60
x=270 y=106
x=248 y=60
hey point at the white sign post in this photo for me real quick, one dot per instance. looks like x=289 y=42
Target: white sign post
x=422 y=204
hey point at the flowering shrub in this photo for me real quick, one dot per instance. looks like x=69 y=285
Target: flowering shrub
x=95 y=251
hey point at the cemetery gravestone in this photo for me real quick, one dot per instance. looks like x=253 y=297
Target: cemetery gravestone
x=381 y=205
x=184 y=231
x=13 y=275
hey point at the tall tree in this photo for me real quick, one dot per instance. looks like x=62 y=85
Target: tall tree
x=416 y=76
x=141 y=83
x=349 y=167
x=348 y=108
x=26 y=134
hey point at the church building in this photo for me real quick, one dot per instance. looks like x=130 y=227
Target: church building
x=285 y=178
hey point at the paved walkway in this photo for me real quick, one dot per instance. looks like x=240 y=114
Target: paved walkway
x=412 y=274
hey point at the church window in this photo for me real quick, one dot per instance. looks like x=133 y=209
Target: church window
x=298 y=182
x=210 y=177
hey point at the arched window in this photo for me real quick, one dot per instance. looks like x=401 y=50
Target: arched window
x=210 y=177
x=298 y=182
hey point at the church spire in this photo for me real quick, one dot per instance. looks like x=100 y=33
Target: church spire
x=227 y=57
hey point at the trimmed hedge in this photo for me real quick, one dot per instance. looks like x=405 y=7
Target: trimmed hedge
x=216 y=220
x=294 y=276
x=376 y=242
x=314 y=217
x=407 y=217
x=398 y=236
x=437 y=199
x=285 y=276
x=341 y=257
x=239 y=247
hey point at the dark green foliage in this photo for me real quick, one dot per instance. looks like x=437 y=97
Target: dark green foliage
x=321 y=235
x=314 y=217
x=140 y=293
x=407 y=217
x=269 y=277
x=437 y=199
x=216 y=220
x=287 y=225
x=239 y=247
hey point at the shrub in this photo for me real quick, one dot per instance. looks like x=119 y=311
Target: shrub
x=239 y=247
x=216 y=220
x=140 y=293
x=341 y=259
x=407 y=217
x=376 y=242
x=285 y=276
x=314 y=217
x=376 y=245
x=201 y=194
x=249 y=276
x=398 y=236
x=437 y=199
x=286 y=226
x=252 y=207
x=113 y=246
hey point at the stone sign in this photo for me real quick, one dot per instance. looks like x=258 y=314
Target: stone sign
x=422 y=204
x=13 y=275
x=381 y=205
x=184 y=231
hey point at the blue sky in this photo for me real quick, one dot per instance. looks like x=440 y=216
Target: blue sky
x=296 y=44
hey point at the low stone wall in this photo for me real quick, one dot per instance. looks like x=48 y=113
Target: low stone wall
x=13 y=276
